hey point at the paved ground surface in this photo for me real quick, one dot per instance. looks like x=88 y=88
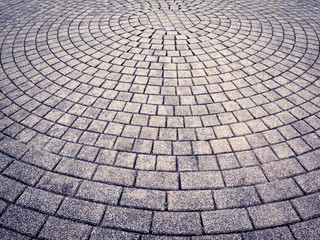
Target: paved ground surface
x=160 y=119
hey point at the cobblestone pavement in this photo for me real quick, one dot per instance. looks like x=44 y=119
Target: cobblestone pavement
x=160 y=119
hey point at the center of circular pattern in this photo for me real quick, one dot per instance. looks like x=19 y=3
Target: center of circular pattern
x=168 y=20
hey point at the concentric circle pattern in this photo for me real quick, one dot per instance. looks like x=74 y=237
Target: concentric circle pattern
x=160 y=119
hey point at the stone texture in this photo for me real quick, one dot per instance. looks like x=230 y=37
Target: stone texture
x=22 y=220
x=141 y=198
x=310 y=160
x=281 y=233
x=306 y=230
x=105 y=233
x=201 y=180
x=40 y=200
x=13 y=148
x=81 y=210
x=282 y=169
x=23 y=172
x=137 y=119
x=128 y=219
x=57 y=228
x=308 y=206
x=99 y=192
x=224 y=221
x=309 y=182
x=273 y=214
x=237 y=197
x=59 y=183
x=114 y=175
x=76 y=168
x=4 y=161
x=41 y=159
x=278 y=190
x=218 y=237
x=157 y=180
x=243 y=176
x=10 y=189
x=190 y=200
x=176 y=223
x=8 y=235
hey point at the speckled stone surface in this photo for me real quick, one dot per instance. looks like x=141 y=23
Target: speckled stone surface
x=159 y=119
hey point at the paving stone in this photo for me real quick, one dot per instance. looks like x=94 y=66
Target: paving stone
x=57 y=228
x=236 y=197
x=247 y=158
x=309 y=182
x=157 y=180
x=88 y=153
x=278 y=190
x=166 y=163
x=226 y=221
x=239 y=144
x=190 y=200
x=220 y=146
x=99 y=192
x=219 y=237
x=10 y=189
x=145 y=162
x=227 y=161
x=125 y=159
x=4 y=161
x=163 y=237
x=207 y=162
x=70 y=149
x=123 y=144
x=142 y=146
x=8 y=235
x=201 y=147
x=310 y=160
x=178 y=223
x=105 y=141
x=162 y=147
x=273 y=136
x=273 y=214
x=58 y=183
x=106 y=156
x=40 y=200
x=265 y=154
x=141 y=198
x=282 y=169
x=281 y=233
x=114 y=175
x=256 y=140
x=13 y=148
x=22 y=220
x=187 y=163
x=201 y=180
x=23 y=172
x=126 y=218
x=81 y=210
x=307 y=229
x=76 y=168
x=282 y=150
x=308 y=206
x=41 y=159
x=3 y=205
x=105 y=233
x=243 y=176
